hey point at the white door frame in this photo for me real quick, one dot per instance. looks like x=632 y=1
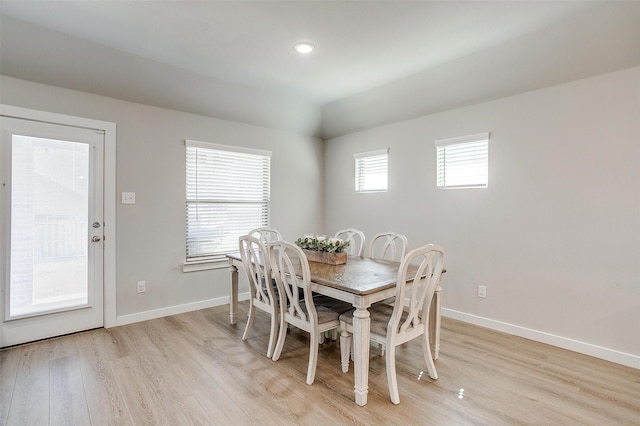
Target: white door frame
x=109 y=193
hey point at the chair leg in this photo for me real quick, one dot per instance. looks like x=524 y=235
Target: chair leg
x=437 y=321
x=280 y=344
x=273 y=334
x=313 y=358
x=345 y=349
x=250 y=316
x=392 y=379
x=426 y=353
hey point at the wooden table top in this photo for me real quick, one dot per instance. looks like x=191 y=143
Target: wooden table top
x=360 y=275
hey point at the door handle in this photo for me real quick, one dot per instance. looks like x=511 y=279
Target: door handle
x=95 y=239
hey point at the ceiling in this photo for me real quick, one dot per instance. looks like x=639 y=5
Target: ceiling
x=149 y=47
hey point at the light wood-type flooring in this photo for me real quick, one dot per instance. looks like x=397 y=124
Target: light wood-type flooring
x=194 y=368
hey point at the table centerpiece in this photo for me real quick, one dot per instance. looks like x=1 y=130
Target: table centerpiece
x=324 y=250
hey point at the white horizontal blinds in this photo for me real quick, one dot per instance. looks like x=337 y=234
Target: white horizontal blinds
x=228 y=194
x=371 y=171
x=463 y=162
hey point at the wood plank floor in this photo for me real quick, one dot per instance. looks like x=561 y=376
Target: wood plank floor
x=194 y=369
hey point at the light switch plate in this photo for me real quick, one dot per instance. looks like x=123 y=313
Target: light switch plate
x=482 y=291
x=128 y=198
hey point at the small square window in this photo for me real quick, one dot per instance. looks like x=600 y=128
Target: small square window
x=371 y=171
x=463 y=162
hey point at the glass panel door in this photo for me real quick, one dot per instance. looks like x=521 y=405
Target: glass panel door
x=51 y=230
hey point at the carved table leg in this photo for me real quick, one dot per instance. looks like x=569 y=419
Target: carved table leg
x=361 y=333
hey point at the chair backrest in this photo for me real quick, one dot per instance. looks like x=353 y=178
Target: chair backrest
x=255 y=261
x=388 y=246
x=266 y=235
x=355 y=238
x=418 y=292
x=290 y=269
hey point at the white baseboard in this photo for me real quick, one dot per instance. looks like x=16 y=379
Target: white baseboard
x=622 y=358
x=174 y=310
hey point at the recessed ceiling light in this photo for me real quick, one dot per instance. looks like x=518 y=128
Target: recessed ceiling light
x=304 y=47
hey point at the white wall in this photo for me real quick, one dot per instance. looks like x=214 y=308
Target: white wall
x=151 y=162
x=556 y=235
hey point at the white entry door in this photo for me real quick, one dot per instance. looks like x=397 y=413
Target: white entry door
x=51 y=235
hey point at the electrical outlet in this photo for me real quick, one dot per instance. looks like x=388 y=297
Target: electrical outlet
x=142 y=286
x=482 y=291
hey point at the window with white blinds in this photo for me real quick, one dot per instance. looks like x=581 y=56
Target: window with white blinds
x=463 y=162
x=228 y=194
x=371 y=171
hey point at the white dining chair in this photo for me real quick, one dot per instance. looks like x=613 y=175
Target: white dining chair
x=356 y=241
x=290 y=269
x=400 y=323
x=356 y=247
x=388 y=246
x=266 y=235
x=255 y=261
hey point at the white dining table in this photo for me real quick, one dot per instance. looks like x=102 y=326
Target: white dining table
x=361 y=281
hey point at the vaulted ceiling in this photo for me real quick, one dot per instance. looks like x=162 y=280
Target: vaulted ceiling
x=375 y=61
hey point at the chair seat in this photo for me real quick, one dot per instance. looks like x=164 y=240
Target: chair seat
x=335 y=305
x=380 y=316
x=325 y=314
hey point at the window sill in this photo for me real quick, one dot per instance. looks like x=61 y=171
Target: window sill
x=204 y=265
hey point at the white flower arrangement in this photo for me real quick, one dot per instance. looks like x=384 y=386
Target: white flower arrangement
x=322 y=244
